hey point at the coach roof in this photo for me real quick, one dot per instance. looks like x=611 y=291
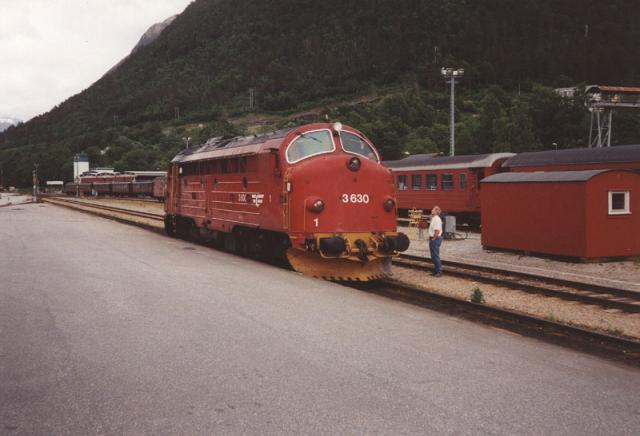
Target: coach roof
x=576 y=156
x=547 y=176
x=431 y=162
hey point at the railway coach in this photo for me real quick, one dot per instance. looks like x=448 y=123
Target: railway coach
x=620 y=157
x=315 y=194
x=451 y=182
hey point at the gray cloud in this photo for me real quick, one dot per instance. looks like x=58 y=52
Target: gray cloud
x=53 y=49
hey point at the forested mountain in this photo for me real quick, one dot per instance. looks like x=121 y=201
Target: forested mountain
x=372 y=63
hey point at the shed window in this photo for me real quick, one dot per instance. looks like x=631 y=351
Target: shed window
x=463 y=182
x=619 y=203
x=447 y=182
x=416 y=182
x=432 y=182
x=402 y=183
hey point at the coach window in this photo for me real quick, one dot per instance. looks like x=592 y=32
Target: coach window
x=352 y=143
x=463 y=182
x=619 y=203
x=432 y=182
x=402 y=183
x=310 y=144
x=447 y=182
x=416 y=182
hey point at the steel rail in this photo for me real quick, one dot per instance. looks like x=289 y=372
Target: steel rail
x=590 y=341
x=148 y=215
x=586 y=293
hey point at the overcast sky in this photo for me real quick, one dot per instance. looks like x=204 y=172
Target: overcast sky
x=53 y=49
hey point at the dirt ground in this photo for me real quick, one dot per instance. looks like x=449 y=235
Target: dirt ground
x=621 y=274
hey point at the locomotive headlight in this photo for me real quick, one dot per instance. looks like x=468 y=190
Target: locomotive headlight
x=389 y=204
x=315 y=205
x=337 y=126
x=354 y=164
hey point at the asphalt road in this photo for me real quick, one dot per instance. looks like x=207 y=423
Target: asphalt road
x=110 y=329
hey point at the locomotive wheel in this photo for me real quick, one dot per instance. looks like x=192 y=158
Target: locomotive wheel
x=170 y=225
x=338 y=269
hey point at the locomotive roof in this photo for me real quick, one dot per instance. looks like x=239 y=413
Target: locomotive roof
x=576 y=156
x=428 y=162
x=222 y=146
x=545 y=176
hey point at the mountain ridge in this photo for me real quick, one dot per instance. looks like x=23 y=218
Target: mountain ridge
x=200 y=68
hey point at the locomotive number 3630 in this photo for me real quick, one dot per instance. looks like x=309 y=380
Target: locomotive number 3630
x=355 y=198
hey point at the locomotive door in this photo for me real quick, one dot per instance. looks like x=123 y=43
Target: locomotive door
x=173 y=188
x=285 y=200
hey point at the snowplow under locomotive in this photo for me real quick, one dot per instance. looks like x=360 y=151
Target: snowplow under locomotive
x=315 y=194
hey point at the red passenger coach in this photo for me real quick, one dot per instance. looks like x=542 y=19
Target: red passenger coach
x=451 y=182
x=316 y=194
x=616 y=157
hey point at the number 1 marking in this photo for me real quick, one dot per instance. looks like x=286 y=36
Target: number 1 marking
x=317 y=221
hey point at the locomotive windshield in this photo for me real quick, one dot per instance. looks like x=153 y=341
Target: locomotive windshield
x=309 y=144
x=354 y=144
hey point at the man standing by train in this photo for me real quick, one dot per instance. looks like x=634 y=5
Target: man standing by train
x=435 y=240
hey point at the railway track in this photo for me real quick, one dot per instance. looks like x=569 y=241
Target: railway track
x=618 y=348
x=604 y=345
x=119 y=210
x=603 y=296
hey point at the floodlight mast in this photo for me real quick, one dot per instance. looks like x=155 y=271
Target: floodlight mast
x=452 y=76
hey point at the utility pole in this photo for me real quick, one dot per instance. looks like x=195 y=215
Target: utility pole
x=452 y=76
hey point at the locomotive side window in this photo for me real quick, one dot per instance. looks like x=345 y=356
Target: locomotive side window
x=432 y=182
x=463 y=182
x=416 y=182
x=402 y=183
x=310 y=144
x=447 y=182
x=234 y=165
x=352 y=143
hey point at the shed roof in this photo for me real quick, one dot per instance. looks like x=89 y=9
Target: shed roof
x=576 y=156
x=221 y=146
x=429 y=161
x=546 y=176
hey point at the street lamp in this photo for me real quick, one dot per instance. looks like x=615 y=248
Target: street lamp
x=186 y=140
x=452 y=76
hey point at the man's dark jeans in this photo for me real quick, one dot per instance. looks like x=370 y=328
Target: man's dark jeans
x=434 y=248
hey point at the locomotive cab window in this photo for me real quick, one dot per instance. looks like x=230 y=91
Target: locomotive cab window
x=416 y=182
x=352 y=143
x=447 y=182
x=310 y=144
x=402 y=183
x=432 y=182
x=619 y=203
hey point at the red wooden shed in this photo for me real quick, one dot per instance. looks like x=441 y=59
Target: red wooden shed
x=583 y=214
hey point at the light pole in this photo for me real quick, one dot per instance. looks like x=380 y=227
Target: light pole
x=186 y=140
x=452 y=76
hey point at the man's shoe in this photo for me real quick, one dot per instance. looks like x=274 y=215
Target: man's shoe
x=438 y=275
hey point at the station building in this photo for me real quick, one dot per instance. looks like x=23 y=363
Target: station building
x=585 y=214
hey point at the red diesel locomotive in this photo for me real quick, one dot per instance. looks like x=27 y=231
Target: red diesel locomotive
x=316 y=194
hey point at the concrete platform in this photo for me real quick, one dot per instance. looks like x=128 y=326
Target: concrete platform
x=625 y=274
x=111 y=329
